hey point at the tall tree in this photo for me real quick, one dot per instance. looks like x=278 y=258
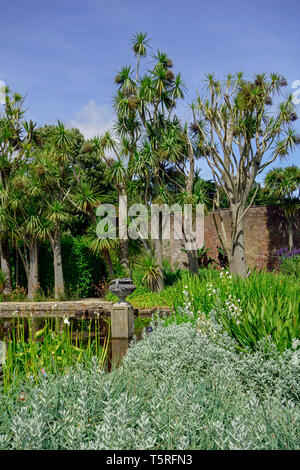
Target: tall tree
x=240 y=134
x=16 y=136
x=144 y=108
x=28 y=225
x=139 y=44
x=60 y=178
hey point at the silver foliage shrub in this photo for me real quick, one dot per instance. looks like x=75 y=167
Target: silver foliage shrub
x=183 y=387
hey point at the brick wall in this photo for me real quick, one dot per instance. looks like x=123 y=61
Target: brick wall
x=265 y=231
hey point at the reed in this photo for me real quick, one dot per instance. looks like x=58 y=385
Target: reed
x=33 y=354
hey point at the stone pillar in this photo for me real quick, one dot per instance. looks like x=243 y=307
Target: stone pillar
x=122 y=321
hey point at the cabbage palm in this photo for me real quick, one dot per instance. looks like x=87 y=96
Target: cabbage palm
x=16 y=136
x=50 y=171
x=139 y=44
x=240 y=136
x=148 y=107
x=125 y=81
x=26 y=232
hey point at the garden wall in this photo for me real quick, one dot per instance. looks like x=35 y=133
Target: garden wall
x=265 y=231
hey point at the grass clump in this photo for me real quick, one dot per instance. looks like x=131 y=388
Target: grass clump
x=265 y=304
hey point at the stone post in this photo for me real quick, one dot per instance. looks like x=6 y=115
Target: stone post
x=122 y=321
x=122 y=316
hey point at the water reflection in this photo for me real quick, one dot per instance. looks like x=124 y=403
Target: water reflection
x=118 y=350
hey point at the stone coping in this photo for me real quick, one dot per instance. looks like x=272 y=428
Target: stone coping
x=85 y=308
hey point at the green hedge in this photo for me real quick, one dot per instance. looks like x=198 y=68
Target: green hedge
x=82 y=269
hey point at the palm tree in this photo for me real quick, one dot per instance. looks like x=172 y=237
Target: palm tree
x=236 y=156
x=16 y=136
x=28 y=227
x=283 y=183
x=49 y=171
x=147 y=105
x=57 y=212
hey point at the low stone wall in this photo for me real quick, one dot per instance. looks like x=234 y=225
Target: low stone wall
x=88 y=308
x=265 y=231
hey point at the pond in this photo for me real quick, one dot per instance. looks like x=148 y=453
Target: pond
x=53 y=345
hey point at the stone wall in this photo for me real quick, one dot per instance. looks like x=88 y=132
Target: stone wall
x=265 y=231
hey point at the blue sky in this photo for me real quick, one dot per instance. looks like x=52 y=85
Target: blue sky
x=64 y=54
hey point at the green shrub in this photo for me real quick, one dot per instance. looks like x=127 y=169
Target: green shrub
x=176 y=390
x=171 y=275
x=82 y=269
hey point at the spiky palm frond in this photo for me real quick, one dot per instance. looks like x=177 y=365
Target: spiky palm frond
x=117 y=172
x=163 y=60
x=127 y=126
x=151 y=271
x=139 y=44
x=57 y=212
x=178 y=88
x=283 y=182
x=124 y=80
x=61 y=139
x=100 y=241
x=146 y=90
x=160 y=79
x=87 y=197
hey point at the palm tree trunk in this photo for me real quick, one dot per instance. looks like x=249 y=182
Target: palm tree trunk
x=191 y=254
x=5 y=265
x=137 y=68
x=158 y=242
x=123 y=242
x=108 y=260
x=159 y=256
x=124 y=256
x=33 y=273
x=59 y=287
x=237 y=260
x=193 y=261
x=290 y=234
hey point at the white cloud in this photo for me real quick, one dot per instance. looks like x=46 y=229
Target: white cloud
x=91 y=119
